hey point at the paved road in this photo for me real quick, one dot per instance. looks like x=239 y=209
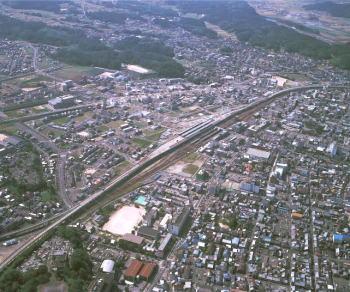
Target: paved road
x=61 y=180
x=61 y=161
x=38 y=136
x=140 y=167
x=60 y=177
x=36 y=67
x=46 y=114
x=35 y=57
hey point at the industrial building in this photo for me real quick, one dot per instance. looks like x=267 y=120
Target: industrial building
x=255 y=153
x=107 y=266
x=148 y=232
x=147 y=271
x=132 y=239
x=176 y=226
x=164 y=245
x=62 y=102
x=138 y=269
x=132 y=271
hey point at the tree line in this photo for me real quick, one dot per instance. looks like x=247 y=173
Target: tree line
x=75 y=48
x=240 y=18
x=335 y=9
x=192 y=25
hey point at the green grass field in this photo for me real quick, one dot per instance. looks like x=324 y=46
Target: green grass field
x=61 y=121
x=121 y=168
x=34 y=82
x=102 y=128
x=142 y=143
x=39 y=109
x=191 y=157
x=15 y=113
x=153 y=135
x=77 y=72
x=190 y=169
x=47 y=196
x=115 y=124
x=8 y=129
x=84 y=117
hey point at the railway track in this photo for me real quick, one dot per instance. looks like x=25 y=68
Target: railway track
x=135 y=176
x=137 y=181
x=174 y=157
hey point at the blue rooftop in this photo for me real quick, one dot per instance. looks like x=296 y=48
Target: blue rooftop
x=141 y=200
x=338 y=237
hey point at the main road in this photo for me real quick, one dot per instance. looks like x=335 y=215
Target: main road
x=61 y=161
x=180 y=144
x=46 y=114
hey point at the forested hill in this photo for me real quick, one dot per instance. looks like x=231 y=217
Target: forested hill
x=240 y=18
x=49 y=5
x=74 y=47
x=334 y=9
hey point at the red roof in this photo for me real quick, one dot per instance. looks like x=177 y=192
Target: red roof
x=133 y=269
x=147 y=270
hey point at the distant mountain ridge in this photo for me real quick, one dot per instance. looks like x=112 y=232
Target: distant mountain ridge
x=334 y=9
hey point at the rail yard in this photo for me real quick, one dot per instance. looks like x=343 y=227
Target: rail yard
x=173 y=146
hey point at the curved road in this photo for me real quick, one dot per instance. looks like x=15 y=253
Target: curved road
x=140 y=167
